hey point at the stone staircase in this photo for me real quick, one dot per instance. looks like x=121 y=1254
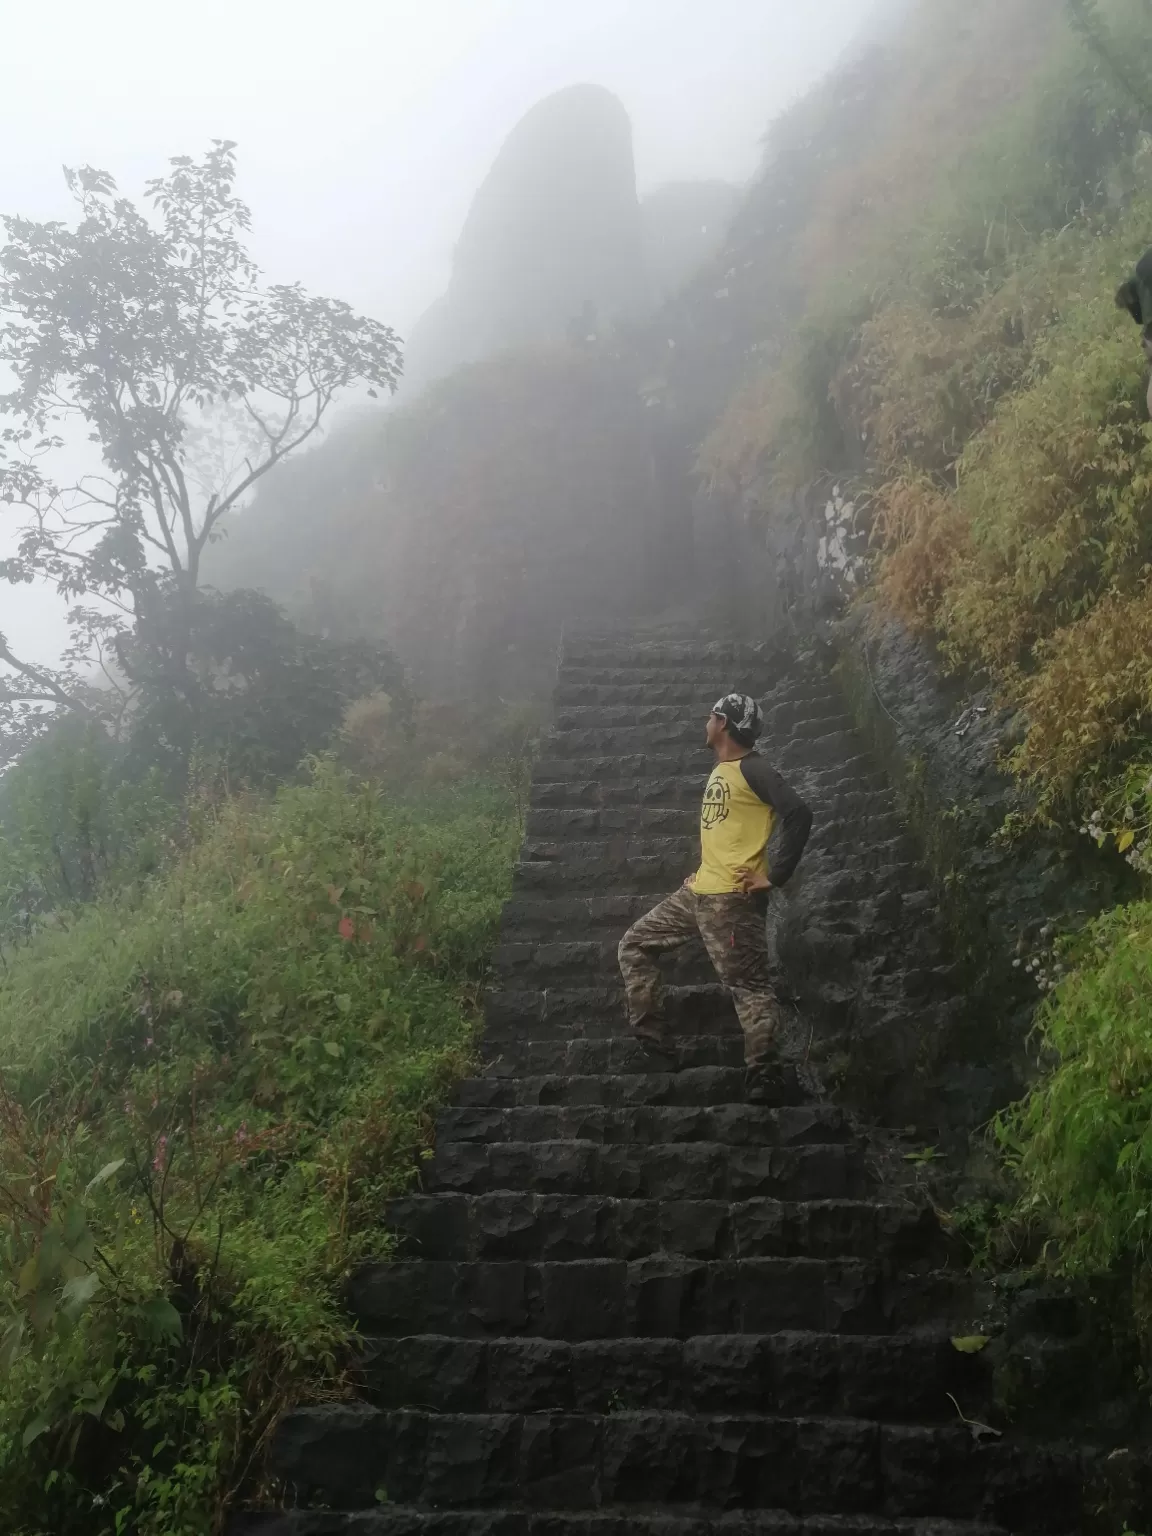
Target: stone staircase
x=626 y=1300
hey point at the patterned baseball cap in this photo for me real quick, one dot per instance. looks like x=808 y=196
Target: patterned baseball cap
x=743 y=716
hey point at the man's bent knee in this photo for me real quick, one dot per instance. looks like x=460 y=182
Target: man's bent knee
x=629 y=953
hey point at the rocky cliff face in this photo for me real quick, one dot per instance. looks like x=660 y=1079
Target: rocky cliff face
x=554 y=239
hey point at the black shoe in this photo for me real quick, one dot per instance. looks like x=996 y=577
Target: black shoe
x=653 y=1035
x=777 y=1085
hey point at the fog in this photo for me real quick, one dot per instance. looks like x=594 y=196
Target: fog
x=365 y=128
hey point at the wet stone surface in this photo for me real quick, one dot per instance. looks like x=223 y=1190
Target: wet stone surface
x=625 y=1301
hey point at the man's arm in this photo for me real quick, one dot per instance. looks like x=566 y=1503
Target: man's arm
x=794 y=816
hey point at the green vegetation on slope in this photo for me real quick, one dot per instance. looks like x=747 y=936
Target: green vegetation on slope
x=973 y=349
x=1082 y=1141
x=1000 y=397
x=210 y=1086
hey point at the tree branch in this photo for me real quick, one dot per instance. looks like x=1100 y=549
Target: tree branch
x=51 y=692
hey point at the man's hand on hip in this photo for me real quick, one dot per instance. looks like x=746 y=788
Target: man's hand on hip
x=752 y=880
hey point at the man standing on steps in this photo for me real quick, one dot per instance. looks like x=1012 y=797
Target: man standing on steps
x=725 y=902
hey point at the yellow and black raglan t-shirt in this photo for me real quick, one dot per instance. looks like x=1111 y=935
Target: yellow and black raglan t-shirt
x=744 y=802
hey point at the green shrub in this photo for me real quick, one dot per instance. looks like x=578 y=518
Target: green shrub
x=71 y=822
x=922 y=292
x=211 y=1087
x=1057 y=489
x=1081 y=1142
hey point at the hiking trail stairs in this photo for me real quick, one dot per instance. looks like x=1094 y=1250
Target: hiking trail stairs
x=627 y=1301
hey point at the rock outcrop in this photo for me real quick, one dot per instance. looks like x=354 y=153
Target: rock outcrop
x=553 y=244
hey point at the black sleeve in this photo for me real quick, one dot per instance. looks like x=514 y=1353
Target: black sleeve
x=794 y=816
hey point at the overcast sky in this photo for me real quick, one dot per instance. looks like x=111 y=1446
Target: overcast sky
x=365 y=126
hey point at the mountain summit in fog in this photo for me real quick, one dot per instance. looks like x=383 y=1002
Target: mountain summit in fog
x=557 y=242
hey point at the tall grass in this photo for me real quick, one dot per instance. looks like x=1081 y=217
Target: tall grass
x=211 y=1086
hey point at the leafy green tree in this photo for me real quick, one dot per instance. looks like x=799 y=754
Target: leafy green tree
x=147 y=332
x=265 y=692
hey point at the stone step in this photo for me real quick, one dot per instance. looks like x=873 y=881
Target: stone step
x=629 y=821
x=674 y=736
x=542 y=1013
x=597 y=767
x=823 y=748
x=694 y=1087
x=534 y=966
x=559 y=1228
x=653 y=873
x=690 y=1170
x=662 y=1295
x=563 y=917
x=680 y=792
x=397 y=1520
x=610 y=1054
x=634 y=824
x=516 y=1014
x=900 y=1379
x=830 y=790
x=633 y=875
x=631 y=718
x=682 y=843
x=532 y=918
x=528 y=974
x=784 y=724
x=672 y=692
x=737 y=1125
x=659 y=658
x=346 y=1453
x=711 y=681
x=755 y=675
x=602 y=997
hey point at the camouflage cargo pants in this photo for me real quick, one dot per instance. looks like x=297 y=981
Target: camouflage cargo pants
x=734 y=934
